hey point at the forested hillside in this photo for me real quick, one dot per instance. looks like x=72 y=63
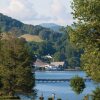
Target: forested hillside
x=9 y=24
x=50 y=42
x=52 y=26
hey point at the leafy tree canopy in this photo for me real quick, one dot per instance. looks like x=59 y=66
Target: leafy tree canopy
x=55 y=42
x=86 y=34
x=77 y=84
x=96 y=94
x=15 y=66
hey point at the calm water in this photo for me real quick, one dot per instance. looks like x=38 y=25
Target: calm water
x=61 y=89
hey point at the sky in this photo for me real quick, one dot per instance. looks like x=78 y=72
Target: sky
x=38 y=11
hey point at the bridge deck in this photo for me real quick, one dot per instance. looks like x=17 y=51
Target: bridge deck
x=58 y=80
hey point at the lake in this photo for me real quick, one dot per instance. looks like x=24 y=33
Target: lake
x=61 y=89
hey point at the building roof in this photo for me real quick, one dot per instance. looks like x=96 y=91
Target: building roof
x=57 y=63
x=48 y=56
x=40 y=63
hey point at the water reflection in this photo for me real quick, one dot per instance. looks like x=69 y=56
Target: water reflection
x=61 y=89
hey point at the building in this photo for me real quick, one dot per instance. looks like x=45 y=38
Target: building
x=48 y=56
x=40 y=65
x=58 y=65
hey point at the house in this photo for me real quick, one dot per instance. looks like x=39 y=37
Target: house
x=39 y=64
x=50 y=67
x=58 y=65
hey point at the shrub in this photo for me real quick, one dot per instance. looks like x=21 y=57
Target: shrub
x=77 y=84
x=59 y=99
x=96 y=94
x=9 y=97
x=50 y=98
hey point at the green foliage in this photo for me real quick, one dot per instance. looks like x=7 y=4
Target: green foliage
x=86 y=35
x=55 y=43
x=86 y=10
x=46 y=48
x=59 y=99
x=96 y=94
x=50 y=35
x=58 y=56
x=61 y=50
x=18 y=28
x=50 y=98
x=9 y=98
x=91 y=63
x=66 y=51
x=15 y=66
x=77 y=84
x=43 y=48
x=1 y=85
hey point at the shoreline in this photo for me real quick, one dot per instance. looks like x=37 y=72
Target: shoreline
x=57 y=70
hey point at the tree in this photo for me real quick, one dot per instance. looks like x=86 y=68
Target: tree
x=0 y=50
x=66 y=51
x=46 y=48
x=1 y=85
x=77 y=84
x=15 y=66
x=86 y=35
x=96 y=94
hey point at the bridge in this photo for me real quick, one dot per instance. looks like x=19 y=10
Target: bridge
x=58 y=80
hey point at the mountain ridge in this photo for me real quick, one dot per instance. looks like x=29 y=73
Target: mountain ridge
x=9 y=24
x=53 y=26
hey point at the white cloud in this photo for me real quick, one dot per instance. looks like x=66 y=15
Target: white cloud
x=16 y=6
x=57 y=7
x=20 y=9
x=61 y=10
x=38 y=11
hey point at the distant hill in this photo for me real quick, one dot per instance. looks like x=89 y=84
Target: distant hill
x=54 y=42
x=52 y=26
x=8 y=24
x=30 y=38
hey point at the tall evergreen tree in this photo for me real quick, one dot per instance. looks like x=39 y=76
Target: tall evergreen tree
x=15 y=66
